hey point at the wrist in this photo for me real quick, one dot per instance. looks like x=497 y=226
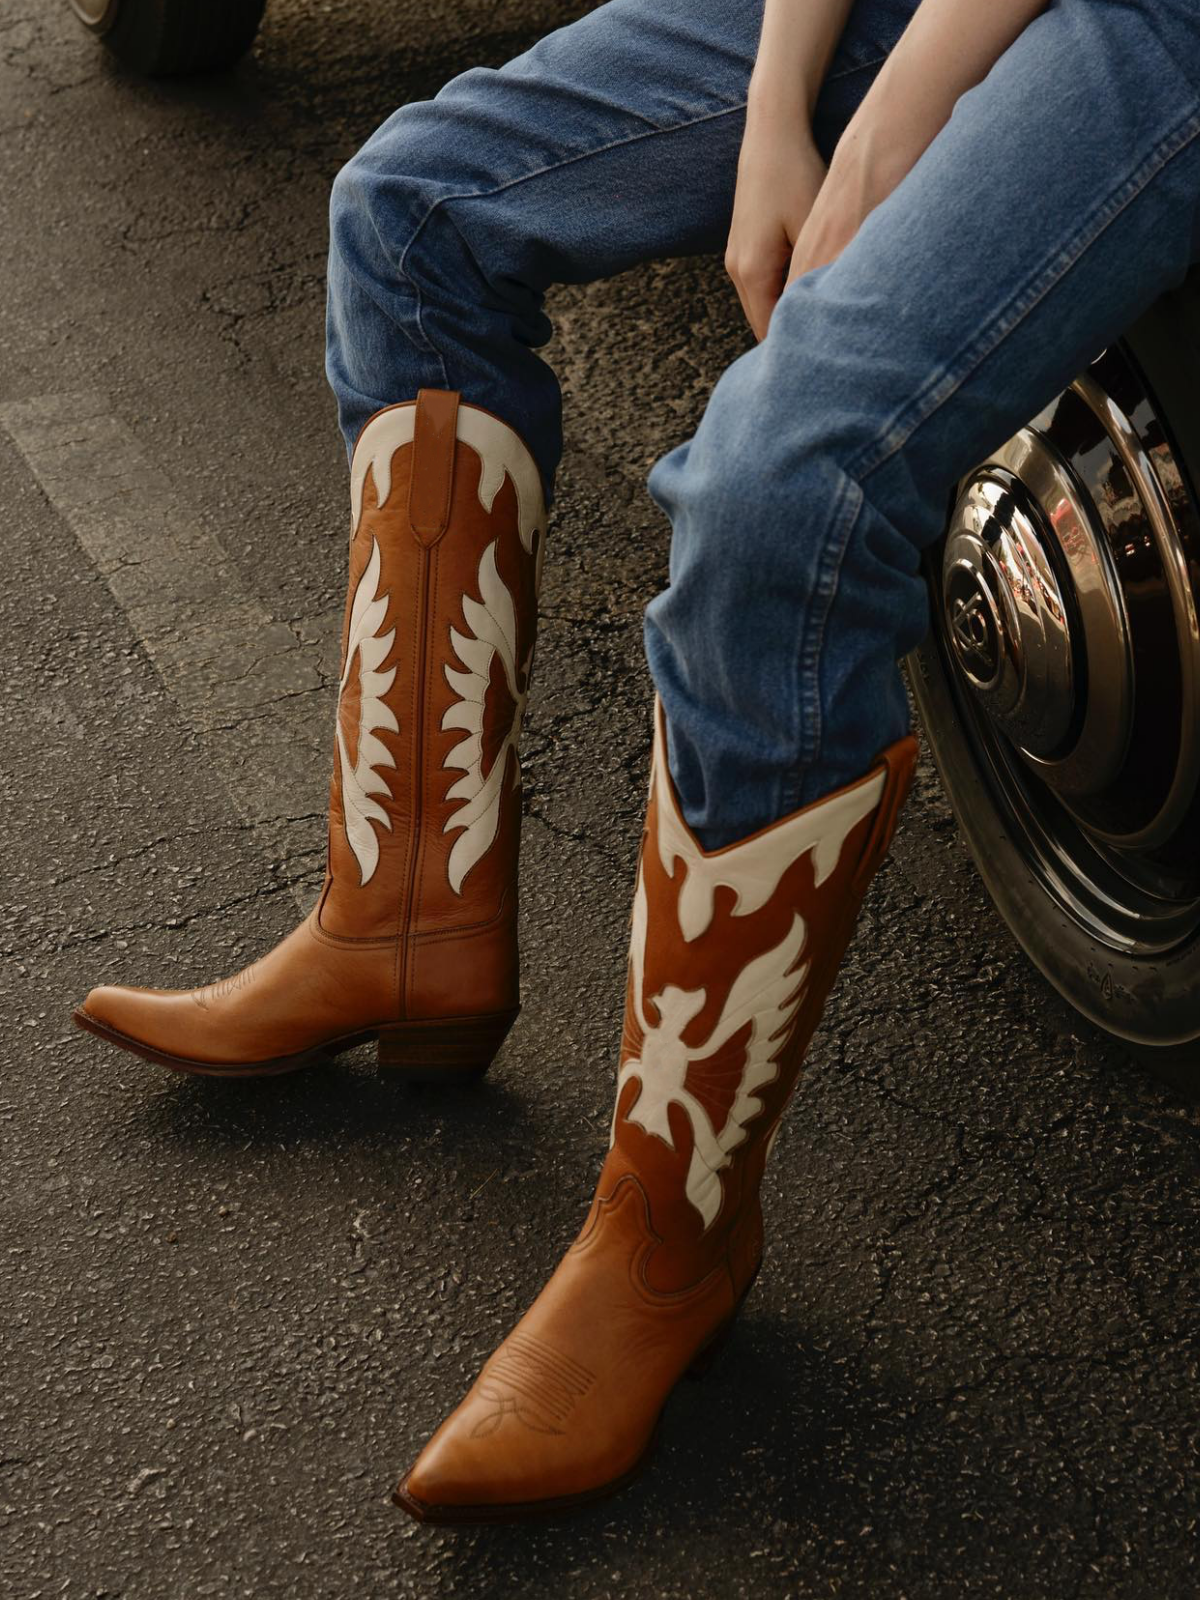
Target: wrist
x=897 y=117
x=883 y=136
x=780 y=88
x=778 y=110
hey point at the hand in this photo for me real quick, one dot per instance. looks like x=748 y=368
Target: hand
x=789 y=215
x=779 y=175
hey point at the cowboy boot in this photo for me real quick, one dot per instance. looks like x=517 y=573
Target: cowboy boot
x=732 y=955
x=413 y=940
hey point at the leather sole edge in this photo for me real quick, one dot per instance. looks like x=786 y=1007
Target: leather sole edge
x=318 y=1055
x=516 y=1510
x=205 y=1069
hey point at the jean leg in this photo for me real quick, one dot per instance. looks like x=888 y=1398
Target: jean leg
x=1059 y=200
x=613 y=141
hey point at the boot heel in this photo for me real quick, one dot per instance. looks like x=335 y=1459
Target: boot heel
x=707 y=1354
x=443 y=1048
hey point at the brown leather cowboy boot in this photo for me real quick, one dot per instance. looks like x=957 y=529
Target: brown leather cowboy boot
x=413 y=941
x=732 y=955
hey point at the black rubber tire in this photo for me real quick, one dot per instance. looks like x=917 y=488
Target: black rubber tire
x=170 y=38
x=1150 y=1004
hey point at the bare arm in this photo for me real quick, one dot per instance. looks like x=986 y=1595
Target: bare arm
x=795 y=47
x=948 y=46
x=789 y=215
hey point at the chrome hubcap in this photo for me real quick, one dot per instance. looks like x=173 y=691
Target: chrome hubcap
x=1068 y=616
x=1027 y=562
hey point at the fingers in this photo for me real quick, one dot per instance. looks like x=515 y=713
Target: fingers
x=758 y=276
x=779 y=175
x=820 y=241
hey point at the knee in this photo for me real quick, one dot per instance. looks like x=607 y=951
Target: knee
x=420 y=208
x=375 y=202
x=423 y=155
x=769 y=523
x=755 y=532
x=766 y=472
x=797 y=458
x=348 y=194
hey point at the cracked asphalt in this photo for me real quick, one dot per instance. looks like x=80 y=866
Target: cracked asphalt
x=231 y=1313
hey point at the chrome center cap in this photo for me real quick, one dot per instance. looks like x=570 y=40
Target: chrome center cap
x=1005 y=614
x=976 y=624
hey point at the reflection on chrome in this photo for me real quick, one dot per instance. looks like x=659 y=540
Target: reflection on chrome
x=1069 y=621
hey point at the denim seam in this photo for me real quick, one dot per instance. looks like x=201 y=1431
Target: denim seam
x=942 y=385
x=844 y=514
x=540 y=172
x=848 y=72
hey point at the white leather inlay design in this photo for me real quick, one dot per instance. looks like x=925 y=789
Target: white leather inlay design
x=386 y=432
x=766 y=993
x=363 y=779
x=493 y=623
x=499 y=448
x=753 y=867
x=490 y=619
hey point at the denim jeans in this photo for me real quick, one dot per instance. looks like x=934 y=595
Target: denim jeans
x=1058 y=201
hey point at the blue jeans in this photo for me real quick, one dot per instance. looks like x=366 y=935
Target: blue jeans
x=1059 y=200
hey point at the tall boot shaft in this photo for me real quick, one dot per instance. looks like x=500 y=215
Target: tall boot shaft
x=733 y=953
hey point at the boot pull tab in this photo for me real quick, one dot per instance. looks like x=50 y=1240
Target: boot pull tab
x=434 y=432
x=899 y=762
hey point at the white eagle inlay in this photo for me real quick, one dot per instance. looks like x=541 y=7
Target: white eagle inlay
x=361 y=778
x=766 y=993
x=492 y=620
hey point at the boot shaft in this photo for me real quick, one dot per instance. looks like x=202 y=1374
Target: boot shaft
x=447 y=529
x=733 y=953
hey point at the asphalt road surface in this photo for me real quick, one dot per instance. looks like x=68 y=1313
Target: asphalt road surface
x=231 y=1313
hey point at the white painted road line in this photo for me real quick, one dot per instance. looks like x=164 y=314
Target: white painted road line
x=251 y=687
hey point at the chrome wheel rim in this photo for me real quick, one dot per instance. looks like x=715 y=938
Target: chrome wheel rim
x=1066 y=612
x=98 y=15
